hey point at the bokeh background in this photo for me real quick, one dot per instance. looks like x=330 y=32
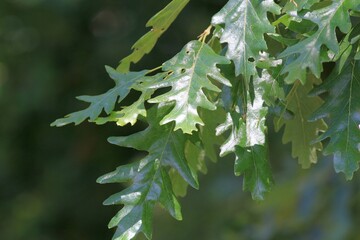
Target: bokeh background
x=54 y=50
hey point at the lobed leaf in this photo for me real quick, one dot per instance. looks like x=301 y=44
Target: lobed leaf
x=253 y=164
x=190 y=73
x=159 y=23
x=130 y=114
x=247 y=116
x=342 y=107
x=195 y=155
x=124 y=82
x=151 y=183
x=297 y=5
x=299 y=130
x=245 y=23
x=308 y=53
x=247 y=138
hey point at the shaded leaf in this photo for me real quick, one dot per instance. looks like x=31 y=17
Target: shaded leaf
x=298 y=130
x=252 y=163
x=195 y=156
x=343 y=108
x=207 y=133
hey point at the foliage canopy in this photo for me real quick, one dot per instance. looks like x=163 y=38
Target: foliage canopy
x=258 y=60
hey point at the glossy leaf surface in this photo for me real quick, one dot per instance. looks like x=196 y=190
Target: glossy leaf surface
x=247 y=139
x=151 y=182
x=191 y=72
x=308 y=54
x=216 y=97
x=245 y=23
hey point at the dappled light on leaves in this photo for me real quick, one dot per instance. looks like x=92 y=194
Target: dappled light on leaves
x=215 y=98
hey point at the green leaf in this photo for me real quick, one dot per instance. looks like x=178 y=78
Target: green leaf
x=151 y=184
x=191 y=71
x=297 y=5
x=268 y=88
x=252 y=162
x=247 y=139
x=180 y=186
x=130 y=114
x=160 y=142
x=150 y=179
x=245 y=23
x=207 y=133
x=247 y=115
x=298 y=130
x=342 y=107
x=106 y=101
x=308 y=52
x=195 y=156
x=159 y=24
x=203 y=144
x=357 y=56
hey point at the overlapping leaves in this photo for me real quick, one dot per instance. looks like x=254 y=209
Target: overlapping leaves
x=247 y=139
x=308 y=53
x=343 y=109
x=189 y=118
x=151 y=182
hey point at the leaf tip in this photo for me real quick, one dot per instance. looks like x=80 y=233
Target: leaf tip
x=113 y=140
x=60 y=122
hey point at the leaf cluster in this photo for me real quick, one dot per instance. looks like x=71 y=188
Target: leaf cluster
x=258 y=60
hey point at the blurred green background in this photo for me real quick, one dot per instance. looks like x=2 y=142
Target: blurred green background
x=54 y=50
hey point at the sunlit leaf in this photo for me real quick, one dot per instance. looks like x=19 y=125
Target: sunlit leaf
x=124 y=82
x=191 y=72
x=159 y=23
x=150 y=179
x=307 y=54
x=245 y=23
x=247 y=137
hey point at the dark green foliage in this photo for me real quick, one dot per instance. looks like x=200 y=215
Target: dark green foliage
x=343 y=108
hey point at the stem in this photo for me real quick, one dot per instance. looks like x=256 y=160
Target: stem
x=202 y=37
